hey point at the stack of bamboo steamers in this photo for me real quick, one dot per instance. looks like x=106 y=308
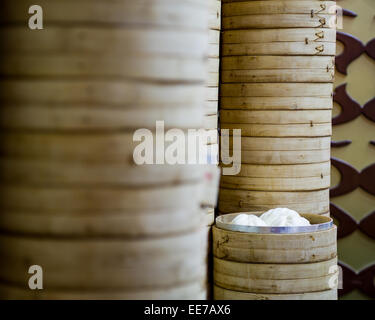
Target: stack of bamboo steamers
x=72 y=199
x=277 y=70
x=212 y=103
x=211 y=126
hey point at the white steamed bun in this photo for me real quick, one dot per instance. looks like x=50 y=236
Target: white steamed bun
x=248 y=220
x=283 y=217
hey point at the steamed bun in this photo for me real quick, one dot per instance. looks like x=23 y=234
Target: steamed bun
x=248 y=220
x=283 y=217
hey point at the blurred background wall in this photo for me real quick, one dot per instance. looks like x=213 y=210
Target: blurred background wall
x=353 y=148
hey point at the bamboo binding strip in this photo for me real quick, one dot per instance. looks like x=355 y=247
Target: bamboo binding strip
x=282 y=130
x=283 y=144
x=277 y=90
x=276 y=184
x=224 y=294
x=276 y=103
x=276 y=117
x=285 y=157
x=300 y=35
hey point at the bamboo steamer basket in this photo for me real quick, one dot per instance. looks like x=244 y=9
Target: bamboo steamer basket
x=277 y=272
x=189 y=291
x=277 y=63
x=209 y=217
x=132 y=223
x=213 y=65
x=83 y=41
x=212 y=186
x=214 y=17
x=276 y=278
x=213 y=36
x=212 y=79
x=89 y=118
x=276 y=103
x=255 y=261
x=284 y=130
x=291 y=75
x=293 y=248
x=285 y=151
x=107 y=160
x=277 y=7
x=289 y=35
x=264 y=21
x=277 y=90
x=224 y=294
x=213 y=43
x=211 y=107
x=285 y=171
x=100 y=147
x=95 y=174
x=131 y=67
x=277 y=117
x=211 y=122
x=109 y=199
x=243 y=205
x=231 y=200
x=212 y=93
x=113 y=93
x=279 y=48
x=275 y=184
x=285 y=157
x=115 y=148
x=213 y=50
x=277 y=69
x=280 y=177
x=106 y=263
x=190 y=14
x=284 y=144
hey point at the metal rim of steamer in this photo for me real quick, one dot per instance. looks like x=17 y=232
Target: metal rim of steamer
x=223 y=222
